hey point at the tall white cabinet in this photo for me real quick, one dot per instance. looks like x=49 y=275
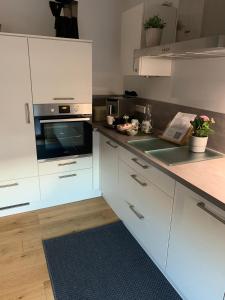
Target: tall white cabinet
x=18 y=150
x=61 y=70
x=19 y=185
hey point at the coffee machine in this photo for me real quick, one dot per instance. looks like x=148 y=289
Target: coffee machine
x=118 y=106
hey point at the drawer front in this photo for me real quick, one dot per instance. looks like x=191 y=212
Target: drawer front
x=163 y=181
x=65 y=165
x=18 y=195
x=152 y=206
x=66 y=187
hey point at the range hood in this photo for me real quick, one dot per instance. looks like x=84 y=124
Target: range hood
x=205 y=47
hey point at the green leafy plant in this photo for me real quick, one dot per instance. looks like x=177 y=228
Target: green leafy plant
x=202 y=126
x=154 y=22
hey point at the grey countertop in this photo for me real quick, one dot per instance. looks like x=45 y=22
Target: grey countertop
x=206 y=178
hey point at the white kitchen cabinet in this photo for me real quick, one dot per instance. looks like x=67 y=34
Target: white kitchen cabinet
x=148 y=66
x=109 y=173
x=61 y=70
x=196 y=263
x=152 y=207
x=131 y=31
x=66 y=187
x=64 y=165
x=157 y=177
x=18 y=151
x=19 y=196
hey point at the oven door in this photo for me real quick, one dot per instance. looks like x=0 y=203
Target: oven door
x=63 y=137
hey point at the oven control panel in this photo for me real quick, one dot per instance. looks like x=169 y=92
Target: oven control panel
x=62 y=109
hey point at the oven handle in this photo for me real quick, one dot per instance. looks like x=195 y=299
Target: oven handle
x=64 y=120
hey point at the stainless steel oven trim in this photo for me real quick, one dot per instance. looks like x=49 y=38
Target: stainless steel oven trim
x=64 y=120
x=64 y=158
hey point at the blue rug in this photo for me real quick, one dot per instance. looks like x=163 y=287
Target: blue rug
x=104 y=263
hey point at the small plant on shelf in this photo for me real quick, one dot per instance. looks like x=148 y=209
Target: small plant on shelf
x=153 y=30
x=154 y=22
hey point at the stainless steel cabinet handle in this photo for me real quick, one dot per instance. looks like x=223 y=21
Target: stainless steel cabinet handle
x=138 y=163
x=111 y=145
x=67 y=164
x=15 y=206
x=27 y=112
x=211 y=213
x=132 y=208
x=138 y=181
x=8 y=185
x=63 y=98
x=67 y=176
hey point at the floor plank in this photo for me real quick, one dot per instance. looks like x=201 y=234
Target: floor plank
x=24 y=273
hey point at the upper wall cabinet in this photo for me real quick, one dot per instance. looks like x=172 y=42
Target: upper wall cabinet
x=132 y=22
x=61 y=70
x=18 y=150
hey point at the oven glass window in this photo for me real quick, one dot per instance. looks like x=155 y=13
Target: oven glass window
x=63 y=139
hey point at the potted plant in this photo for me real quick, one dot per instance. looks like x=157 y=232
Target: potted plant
x=153 y=30
x=201 y=130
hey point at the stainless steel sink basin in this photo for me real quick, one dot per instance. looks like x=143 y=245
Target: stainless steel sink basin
x=151 y=144
x=172 y=154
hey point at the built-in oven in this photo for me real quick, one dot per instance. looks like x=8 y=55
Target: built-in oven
x=63 y=130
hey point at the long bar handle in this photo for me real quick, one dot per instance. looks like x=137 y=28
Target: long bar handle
x=63 y=98
x=138 y=163
x=15 y=206
x=135 y=177
x=8 y=185
x=27 y=112
x=67 y=176
x=111 y=145
x=67 y=164
x=64 y=120
x=137 y=214
x=211 y=213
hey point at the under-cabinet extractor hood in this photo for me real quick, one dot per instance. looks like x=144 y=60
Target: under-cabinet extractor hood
x=205 y=47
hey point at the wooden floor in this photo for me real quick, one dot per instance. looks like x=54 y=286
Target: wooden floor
x=23 y=270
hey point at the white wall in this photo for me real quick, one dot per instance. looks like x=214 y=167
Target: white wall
x=26 y=16
x=99 y=20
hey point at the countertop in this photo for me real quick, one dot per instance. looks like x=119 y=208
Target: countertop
x=206 y=178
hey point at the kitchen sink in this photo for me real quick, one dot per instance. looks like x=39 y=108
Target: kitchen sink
x=172 y=154
x=152 y=144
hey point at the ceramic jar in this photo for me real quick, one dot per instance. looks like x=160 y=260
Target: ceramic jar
x=198 y=144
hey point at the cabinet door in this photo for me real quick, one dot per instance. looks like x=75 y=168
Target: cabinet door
x=66 y=187
x=61 y=71
x=196 y=262
x=18 y=151
x=132 y=22
x=19 y=196
x=109 y=173
x=154 y=209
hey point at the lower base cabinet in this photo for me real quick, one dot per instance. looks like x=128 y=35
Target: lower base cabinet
x=19 y=196
x=66 y=187
x=148 y=213
x=196 y=260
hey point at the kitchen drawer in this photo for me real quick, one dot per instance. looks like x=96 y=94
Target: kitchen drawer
x=153 y=207
x=163 y=181
x=18 y=195
x=66 y=187
x=64 y=165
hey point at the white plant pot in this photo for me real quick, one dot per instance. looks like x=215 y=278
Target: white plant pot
x=198 y=144
x=153 y=36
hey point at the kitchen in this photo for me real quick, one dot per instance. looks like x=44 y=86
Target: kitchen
x=65 y=181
